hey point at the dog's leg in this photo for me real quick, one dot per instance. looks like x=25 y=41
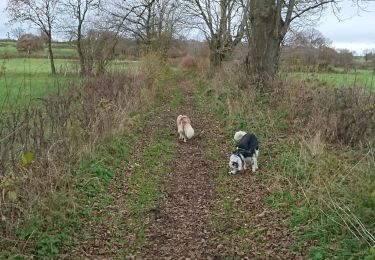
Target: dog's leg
x=253 y=163
x=180 y=130
x=184 y=137
x=256 y=159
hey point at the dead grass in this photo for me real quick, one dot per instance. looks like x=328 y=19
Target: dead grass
x=197 y=63
x=344 y=116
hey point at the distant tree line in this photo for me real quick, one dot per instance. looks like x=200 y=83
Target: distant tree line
x=261 y=25
x=310 y=50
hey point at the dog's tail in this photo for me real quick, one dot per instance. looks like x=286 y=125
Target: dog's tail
x=189 y=131
x=238 y=135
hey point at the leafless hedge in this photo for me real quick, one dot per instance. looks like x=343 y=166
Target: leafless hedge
x=345 y=115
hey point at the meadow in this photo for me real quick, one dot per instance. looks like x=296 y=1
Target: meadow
x=24 y=80
x=61 y=50
x=338 y=78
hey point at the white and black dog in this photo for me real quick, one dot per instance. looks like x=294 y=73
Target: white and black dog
x=247 y=151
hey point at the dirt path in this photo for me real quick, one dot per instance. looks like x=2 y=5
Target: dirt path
x=179 y=226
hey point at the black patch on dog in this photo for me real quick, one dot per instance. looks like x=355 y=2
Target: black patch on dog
x=248 y=145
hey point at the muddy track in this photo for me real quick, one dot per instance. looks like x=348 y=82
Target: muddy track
x=180 y=226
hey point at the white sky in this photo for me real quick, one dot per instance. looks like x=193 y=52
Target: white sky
x=355 y=30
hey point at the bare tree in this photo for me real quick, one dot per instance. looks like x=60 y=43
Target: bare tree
x=222 y=22
x=307 y=48
x=41 y=13
x=76 y=13
x=310 y=38
x=17 y=32
x=369 y=54
x=29 y=43
x=154 y=23
x=268 y=23
x=345 y=59
x=99 y=49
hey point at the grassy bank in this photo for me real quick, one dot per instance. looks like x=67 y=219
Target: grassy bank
x=82 y=172
x=327 y=190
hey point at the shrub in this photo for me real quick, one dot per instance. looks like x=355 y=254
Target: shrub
x=194 y=63
x=345 y=115
x=29 y=43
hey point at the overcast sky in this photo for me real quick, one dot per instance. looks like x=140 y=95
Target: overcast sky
x=355 y=30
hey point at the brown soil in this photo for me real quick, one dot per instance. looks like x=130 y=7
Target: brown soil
x=181 y=229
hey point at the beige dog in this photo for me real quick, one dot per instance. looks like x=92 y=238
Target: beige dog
x=184 y=127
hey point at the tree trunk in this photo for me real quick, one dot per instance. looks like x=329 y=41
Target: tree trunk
x=220 y=49
x=264 y=47
x=50 y=52
x=215 y=59
x=80 y=52
x=100 y=69
x=81 y=58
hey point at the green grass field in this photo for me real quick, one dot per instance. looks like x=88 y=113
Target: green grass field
x=339 y=78
x=121 y=65
x=60 y=50
x=24 y=80
x=8 y=48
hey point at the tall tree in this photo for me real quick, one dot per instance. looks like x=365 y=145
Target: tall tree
x=17 y=32
x=41 y=13
x=153 y=23
x=268 y=23
x=76 y=13
x=222 y=22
